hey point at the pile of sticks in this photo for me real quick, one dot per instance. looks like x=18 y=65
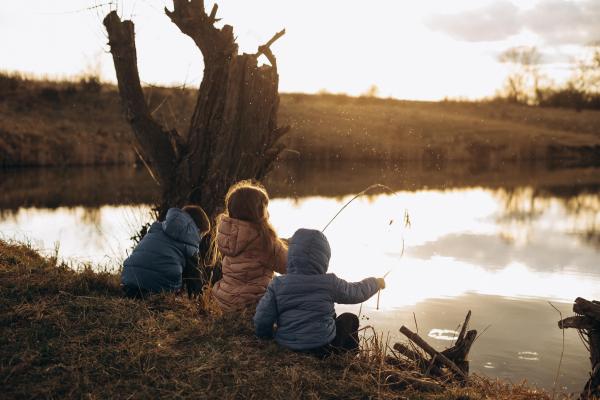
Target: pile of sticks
x=436 y=367
x=587 y=322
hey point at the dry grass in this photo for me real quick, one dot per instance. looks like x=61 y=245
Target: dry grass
x=67 y=334
x=80 y=122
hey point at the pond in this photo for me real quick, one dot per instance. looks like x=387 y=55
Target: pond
x=506 y=244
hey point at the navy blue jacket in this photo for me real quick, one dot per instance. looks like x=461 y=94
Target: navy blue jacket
x=157 y=262
x=301 y=302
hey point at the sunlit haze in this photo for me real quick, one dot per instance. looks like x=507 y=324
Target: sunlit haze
x=414 y=50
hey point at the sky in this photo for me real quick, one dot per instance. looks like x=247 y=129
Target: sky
x=426 y=49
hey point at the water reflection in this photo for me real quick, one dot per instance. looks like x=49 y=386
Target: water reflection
x=100 y=236
x=511 y=334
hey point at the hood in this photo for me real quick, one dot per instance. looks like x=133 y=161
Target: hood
x=234 y=235
x=308 y=253
x=180 y=226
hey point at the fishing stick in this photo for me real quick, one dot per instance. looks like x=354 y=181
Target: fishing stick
x=406 y=221
x=377 y=185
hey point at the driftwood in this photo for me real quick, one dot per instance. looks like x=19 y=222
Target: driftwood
x=233 y=133
x=424 y=364
x=460 y=351
x=423 y=368
x=415 y=338
x=588 y=324
x=433 y=363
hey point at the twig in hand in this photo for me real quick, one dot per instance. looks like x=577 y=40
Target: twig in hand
x=375 y=186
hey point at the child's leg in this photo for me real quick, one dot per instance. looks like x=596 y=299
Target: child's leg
x=346 y=336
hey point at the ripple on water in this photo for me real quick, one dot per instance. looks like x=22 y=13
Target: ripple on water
x=443 y=334
x=528 y=355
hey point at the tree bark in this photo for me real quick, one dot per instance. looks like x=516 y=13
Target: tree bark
x=588 y=323
x=233 y=134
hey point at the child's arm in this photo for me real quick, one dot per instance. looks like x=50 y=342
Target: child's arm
x=354 y=292
x=266 y=314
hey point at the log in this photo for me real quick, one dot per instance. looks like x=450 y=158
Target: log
x=587 y=308
x=417 y=358
x=577 y=322
x=432 y=352
x=463 y=329
x=460 y=351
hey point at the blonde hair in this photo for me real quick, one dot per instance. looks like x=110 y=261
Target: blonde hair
x=247 y=200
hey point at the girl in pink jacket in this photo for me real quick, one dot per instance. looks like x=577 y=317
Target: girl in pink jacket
x=249 y=246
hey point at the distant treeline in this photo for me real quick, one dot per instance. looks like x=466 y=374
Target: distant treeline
x=526 y=84
x=568 y=97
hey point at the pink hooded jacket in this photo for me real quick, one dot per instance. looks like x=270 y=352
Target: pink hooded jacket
x=248 y=264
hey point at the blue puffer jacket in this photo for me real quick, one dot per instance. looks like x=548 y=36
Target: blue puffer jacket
x=157 y=262
x=302 y=301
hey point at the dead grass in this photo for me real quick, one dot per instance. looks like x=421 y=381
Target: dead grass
x=67 y=334
x=80 y=123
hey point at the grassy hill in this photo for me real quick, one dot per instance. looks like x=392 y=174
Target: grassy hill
x=80 y=123
x=68 y=334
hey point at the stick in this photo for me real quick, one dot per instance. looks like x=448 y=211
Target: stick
x=431 y=351
x=377 y=185
x=421 y=362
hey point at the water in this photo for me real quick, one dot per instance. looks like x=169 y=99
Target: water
x=500 y=243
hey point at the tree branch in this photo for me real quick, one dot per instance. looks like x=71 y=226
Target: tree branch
x=191 y=18
x=266 y=48
x=577 y=322
x=155 y=143
x=213 y=14
x=432 y=352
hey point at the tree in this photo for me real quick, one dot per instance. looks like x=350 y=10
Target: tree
x=522 y=83
x=233 y=133
x=587 y=72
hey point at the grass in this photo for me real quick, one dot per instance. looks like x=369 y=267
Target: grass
x=80 y=123
x=69 y=334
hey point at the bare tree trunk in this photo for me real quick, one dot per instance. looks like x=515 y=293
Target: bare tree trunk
x=233 y=133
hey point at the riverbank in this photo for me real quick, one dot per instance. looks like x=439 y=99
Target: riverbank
x=46 y=123
x=69 y=334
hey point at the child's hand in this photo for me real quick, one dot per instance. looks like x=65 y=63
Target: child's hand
x=381 y=283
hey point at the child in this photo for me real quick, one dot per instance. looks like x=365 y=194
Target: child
x=249 y=245
x=168 y=252
x=302 y=301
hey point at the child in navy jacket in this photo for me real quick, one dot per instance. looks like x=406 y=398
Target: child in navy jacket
x=301 y=302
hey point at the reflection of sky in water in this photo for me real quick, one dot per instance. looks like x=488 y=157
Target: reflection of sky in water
x=466 y=249
x=98 y=235
x=459 y=242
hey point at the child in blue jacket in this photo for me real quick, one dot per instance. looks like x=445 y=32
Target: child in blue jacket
x=301 y=302
x=167 y=254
